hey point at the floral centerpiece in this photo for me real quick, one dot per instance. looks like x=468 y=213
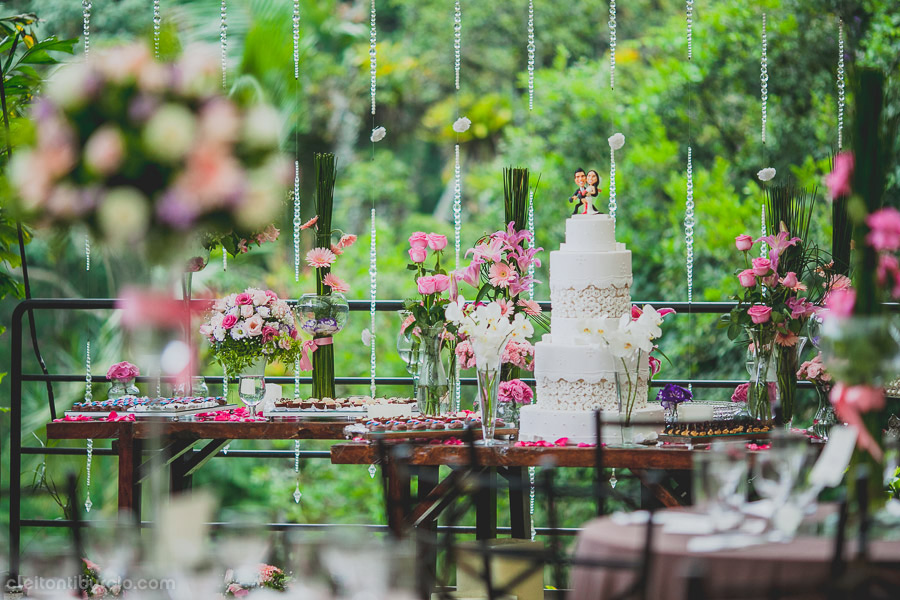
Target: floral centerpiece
x=773 y=308
x=269 y=577
x=123 y=374
x=630 y=340
x=426 y=324
x=255 y=324
x=144 y=152
x=512 y=396
x=488 y=330
x=670 y=396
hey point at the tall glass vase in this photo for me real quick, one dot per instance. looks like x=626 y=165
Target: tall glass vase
x=787 y=362
x=632 y=376
x=488 y=373
x=433 y=390
x=759 y=392
x=322 y=316
x=825 y=418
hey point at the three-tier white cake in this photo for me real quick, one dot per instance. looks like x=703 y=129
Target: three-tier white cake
x=590 y=276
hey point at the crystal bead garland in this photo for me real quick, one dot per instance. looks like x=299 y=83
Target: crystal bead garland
x=373 y=289
x=689 y=7
x=764 y=78
x=689 y=226
x=373 y=62
x=297 y=221
x=612 y=183
x=87 y=481
x=297 y=495
x=223 y=46
x=531 y=49
x=86 y=20
x=296 y=34
x=532 y=243
x=840 y=84
x=531 y=475
x=612 y=44
x=763 y=249
x=457 y=229
x=157 y=20
x=88 y=396
x=457 y=40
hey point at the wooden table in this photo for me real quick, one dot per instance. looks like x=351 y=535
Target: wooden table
x=509 y=461
x=177 y=441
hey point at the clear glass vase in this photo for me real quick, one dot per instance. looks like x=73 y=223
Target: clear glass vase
x=488 y=374
x=509 y=412
x=825 y=418
x=122 y=388
x=787 y=362
x=323 y=316
x=408 y=348
x=632 y=378
x=433 y=390
x=760 y=390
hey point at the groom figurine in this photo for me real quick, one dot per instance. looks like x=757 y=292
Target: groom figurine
x=578 y=197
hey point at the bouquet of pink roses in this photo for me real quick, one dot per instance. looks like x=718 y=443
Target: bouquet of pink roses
x=122 y=372
x=431 y=283
x=255 y=323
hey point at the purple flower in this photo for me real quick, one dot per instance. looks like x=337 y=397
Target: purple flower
x=672 y=395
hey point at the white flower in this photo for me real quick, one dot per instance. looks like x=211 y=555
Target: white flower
x=262 y=127
x=219 y=333
x=216 y=319
x=263 y=311
x=378 y=134
x=616 y=141
x=238 y=332
x=246 y=311
x=366 y=337
x=259 y=297
x=766 y=174
x=462 y=124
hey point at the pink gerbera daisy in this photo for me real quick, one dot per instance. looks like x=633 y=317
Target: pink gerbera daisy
x=530 y=307
x=347 y=240
x=501 y=274
x=320 y=257
x=310 y=223
x=335 y=283
x=337 y=249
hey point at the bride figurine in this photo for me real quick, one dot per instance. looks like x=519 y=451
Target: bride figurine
x=588 y=189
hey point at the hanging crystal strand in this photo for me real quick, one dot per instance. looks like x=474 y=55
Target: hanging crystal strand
x=87 y=482
x=157 y=20
x=612 y=479
x=223 y=42
x=296 y=33
x=532 y=243
x=689 y=227
x=612 y=183
x=690 y=28
x=764 y=78
x=763 y=249
x=612 y=44
x=373 y=288
x=86 y=20
x=531 y=49
x=373 y=56
x=531 y=475
x=457 y=229
x=840 y=84
x=297 y=378
x=297 y=495
x=297 y=221
x=457 y=40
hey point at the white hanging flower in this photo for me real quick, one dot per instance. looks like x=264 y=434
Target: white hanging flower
x=378 y=134
x=766 y=174
x=616 y=141
x=462 y=124
x=366 y=337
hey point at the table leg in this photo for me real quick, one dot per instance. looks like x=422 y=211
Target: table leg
x=426 y=533
x=519 y=515
x=486 y=505
x=397 y=496
x=127 y=467
x=653 y=492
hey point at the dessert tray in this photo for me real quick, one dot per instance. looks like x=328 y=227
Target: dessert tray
x=144 y=408
x=344 y=408
x=442 y=427
x=693 y=433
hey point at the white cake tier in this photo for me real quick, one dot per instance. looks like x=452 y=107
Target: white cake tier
x=590 y=233
x=591 y=301
x=580 y=270
x=572 y=376
x=537 y=423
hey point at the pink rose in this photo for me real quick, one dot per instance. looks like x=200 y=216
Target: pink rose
x=838 y=181
x=840 y=303
x=441 y=283
x=426 y=285
x=759 y=313
x=747 y=278
x=272 y=296
x=253 y=326
x=743 y=242
x=122 y=371
x=436 y=242
x=740 y=393
x=761 y=266
x=789 y=280
x=195 y=264
x=417 y=255
x=418 y=240
x=243 y=298
x=229 y=321
x=285 y=343
x=884 y=226
x=850 y=403
x=269 y=333
x=465 y=354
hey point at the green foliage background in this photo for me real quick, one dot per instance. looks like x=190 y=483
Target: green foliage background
x=661 y=103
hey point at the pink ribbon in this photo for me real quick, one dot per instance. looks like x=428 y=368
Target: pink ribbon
x=310 y=346
x=850 y=403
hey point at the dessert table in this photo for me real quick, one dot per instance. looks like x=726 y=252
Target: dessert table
x=177 y=441
x=796 y=569
x=511 y=462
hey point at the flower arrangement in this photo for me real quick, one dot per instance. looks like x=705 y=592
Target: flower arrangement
x=629 y=338
x=95 y=585
x=431 y=283
x=247 y=326
x=512 y=396
x=671 y=395
x=269 y=577
x=143 y=152
x=122 y=372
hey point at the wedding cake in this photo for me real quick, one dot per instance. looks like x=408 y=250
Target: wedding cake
x=590 y=276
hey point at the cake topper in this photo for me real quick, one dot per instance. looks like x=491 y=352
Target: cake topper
x=588 y=189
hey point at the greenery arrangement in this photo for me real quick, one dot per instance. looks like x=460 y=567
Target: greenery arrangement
x=323 y=357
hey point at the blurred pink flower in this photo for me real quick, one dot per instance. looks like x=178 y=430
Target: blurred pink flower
x=838 y=181
x=840 y=303
x=850 y=403
x=884 y=229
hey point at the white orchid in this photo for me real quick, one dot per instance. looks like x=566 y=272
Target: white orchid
x=625 y=336
x=487 y=328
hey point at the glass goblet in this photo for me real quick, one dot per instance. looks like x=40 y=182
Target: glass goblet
x=252 y=390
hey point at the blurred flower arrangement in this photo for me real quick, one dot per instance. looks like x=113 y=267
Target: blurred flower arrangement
x=122 y=372
x=815 y=372
x=253 y=324
x=95 y=585
x=269 y=577
x=145 y=152
x=629 y=338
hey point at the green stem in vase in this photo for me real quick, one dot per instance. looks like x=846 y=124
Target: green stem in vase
x=323 y=372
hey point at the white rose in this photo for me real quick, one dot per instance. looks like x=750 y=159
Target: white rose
x=462 y=124
x=246 y=311
x=219 y=333
x=616 y=141
x=254 y=325
x=378 y=134
x=217 y=319
x=264 y=311
x=766 y=174
x=169 y=133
